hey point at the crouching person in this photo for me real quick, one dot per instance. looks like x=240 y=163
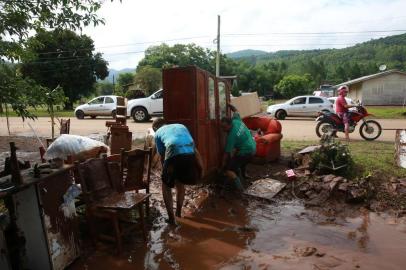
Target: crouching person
x=180 y=163
x=239 y=150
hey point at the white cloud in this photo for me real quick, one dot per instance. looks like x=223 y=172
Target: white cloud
x=141 y=21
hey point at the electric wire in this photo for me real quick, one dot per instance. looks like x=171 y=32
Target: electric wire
x=231 y=35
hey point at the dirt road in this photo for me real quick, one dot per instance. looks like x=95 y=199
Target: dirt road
x=293 y=129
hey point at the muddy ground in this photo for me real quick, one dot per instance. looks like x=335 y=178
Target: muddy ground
x=224 y=230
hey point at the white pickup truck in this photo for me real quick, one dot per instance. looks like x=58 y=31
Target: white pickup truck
x=142 y=109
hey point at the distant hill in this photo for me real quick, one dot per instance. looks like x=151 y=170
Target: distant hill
x=115 y=73
x=246 y=53
x=390 y=51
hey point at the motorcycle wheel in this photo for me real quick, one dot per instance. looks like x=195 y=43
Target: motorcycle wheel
x=370 y=130
x=324 y=128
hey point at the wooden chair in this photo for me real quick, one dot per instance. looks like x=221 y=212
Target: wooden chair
x=136 y=171
x=114 y=158
x=65 y=126
x=100 y=184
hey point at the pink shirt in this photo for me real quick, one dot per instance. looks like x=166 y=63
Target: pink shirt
x=340 y=102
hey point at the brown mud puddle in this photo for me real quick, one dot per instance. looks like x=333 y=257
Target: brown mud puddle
x=248 y=234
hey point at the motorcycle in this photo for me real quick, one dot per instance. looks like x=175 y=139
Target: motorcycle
x=330 y=123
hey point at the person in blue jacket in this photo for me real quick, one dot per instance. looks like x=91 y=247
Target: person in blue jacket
x=180 y=163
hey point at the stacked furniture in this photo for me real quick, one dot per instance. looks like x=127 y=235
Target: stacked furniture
x=121 y=136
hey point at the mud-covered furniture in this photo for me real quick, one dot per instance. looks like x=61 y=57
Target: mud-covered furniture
x=104 y=200
x=65 y=126
x=121 y=137
x=269 y=140
x=136 y=171
x=198 y=100
x=44 y=236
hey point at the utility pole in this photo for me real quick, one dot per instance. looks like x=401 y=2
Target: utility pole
x=218 y=48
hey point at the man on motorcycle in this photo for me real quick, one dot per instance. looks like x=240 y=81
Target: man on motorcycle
x=342 y=109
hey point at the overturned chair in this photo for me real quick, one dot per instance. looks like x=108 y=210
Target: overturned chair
x=105 y=199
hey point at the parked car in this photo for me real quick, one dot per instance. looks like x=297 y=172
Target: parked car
x=333 y=101
x=99 y=106
x=142 y=109
x=300 y=106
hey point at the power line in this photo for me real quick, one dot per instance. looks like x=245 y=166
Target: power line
x=315 y=33
x=125 y=45
x=231 y=35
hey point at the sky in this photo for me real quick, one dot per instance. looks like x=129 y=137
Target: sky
x=269 y=25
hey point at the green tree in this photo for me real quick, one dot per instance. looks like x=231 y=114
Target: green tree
x=148 y=79
x=164 y=56
x=104 y=88
x=123 y=80
x=293 y=85
x=50 y=99
x=18 y=18
x=63 y=58
x=19 y=93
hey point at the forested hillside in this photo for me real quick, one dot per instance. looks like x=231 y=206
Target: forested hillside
x=337 y=65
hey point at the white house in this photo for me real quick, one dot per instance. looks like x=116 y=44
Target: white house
x=384 y=88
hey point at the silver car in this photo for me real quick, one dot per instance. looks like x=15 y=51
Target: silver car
x=99 y=106
x=300 y=106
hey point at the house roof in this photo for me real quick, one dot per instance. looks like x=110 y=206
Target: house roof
x=369 y=77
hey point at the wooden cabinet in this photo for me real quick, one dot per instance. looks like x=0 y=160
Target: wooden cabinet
x=44 y=235
x=198 y=99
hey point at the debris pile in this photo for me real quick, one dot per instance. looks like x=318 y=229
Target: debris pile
x=328 y=157
x=321 y=171
x=317 y=189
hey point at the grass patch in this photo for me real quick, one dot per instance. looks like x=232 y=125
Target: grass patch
x=370 y=158
x=42 y=112
x=387 y=112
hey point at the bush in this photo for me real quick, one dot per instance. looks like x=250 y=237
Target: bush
x=332 y=157
x=293 y=85
x=270 y=102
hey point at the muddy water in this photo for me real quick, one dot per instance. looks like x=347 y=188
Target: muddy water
x=241 y=234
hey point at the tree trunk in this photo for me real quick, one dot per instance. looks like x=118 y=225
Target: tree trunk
x=1 y=108
x=51 y=110
x=8 y=123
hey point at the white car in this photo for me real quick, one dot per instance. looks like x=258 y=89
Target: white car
x=142 y=109
x=349 y=101
x=300 y=106
x=99 y=106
